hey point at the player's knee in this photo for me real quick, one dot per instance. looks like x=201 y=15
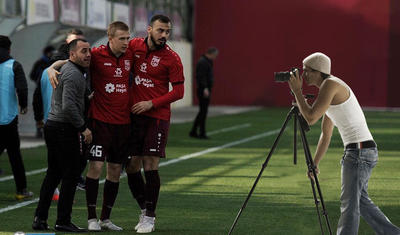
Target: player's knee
x=134 y=165
x=95 y=168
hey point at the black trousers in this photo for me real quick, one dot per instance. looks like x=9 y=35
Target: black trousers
x=200 y=121
x=63 y=156
x=9 y=139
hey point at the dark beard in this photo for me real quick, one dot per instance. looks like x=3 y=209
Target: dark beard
x=157 y=46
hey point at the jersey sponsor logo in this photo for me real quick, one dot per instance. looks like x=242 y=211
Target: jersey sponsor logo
x=118 y=73
x=127 y=65
x=110 y=88
x=155 y=61
x=143 y=67
x=143 y=81
x=120 y=88
x=107 y=64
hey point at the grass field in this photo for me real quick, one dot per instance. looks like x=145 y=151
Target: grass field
x=202 y=192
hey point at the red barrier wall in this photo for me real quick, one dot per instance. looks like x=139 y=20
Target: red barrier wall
x=258 y=38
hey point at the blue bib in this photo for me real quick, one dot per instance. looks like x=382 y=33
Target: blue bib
x=8 y=96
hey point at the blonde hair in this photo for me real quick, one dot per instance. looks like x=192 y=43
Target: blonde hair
x=116 y=25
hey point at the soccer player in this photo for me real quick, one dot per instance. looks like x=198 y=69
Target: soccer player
x=109 y=111
x=156 y=65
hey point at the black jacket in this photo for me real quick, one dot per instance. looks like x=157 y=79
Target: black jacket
x=19 y=78
x=37 y=69
x=204 y=73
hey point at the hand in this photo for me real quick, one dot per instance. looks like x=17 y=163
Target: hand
x=311 y=175
x=206 y=93
x=91 y=95
x=39 y=124
x=141 y=107
x=87 y=134
x=23 y=110
x=53 y=76
x=295 y=82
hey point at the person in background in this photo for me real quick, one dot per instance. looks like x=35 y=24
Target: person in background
x=36 y=73
x=204 y=81
x=12 y=84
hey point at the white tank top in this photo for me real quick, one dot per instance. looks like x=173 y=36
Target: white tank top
x=349 y=118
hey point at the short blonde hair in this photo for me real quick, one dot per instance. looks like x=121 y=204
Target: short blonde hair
x=116 y=25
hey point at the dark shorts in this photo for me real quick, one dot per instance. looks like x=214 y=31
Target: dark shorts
x=148 y=136
x=110 y=142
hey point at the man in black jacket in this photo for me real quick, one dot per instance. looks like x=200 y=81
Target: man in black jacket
x=12 y=78
x=65 y=123
x=204 y=79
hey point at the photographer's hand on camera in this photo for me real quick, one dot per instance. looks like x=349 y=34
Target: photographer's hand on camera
x=296 y=82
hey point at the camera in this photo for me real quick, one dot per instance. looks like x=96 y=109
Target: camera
x=284 y=76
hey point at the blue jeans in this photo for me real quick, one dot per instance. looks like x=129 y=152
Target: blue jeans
x=357 y=165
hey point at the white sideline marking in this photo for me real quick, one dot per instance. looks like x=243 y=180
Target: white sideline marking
x=229 y=129
x=232 y=128
x=34 y=172
x=169 y=162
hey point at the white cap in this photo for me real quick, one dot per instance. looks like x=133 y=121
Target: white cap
x=318 y=61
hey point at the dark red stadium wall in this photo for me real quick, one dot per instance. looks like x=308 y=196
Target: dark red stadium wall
x=256 y=38
x=394 y=55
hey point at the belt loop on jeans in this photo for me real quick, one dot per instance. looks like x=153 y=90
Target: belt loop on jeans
x=361 y=145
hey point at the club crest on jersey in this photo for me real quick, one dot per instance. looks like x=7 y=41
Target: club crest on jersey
x=127 y=65
x=118 y=72
x=143 y=67
x=155 y=60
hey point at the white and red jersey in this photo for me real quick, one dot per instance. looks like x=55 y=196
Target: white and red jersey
x=153 y=71
x=110 y=83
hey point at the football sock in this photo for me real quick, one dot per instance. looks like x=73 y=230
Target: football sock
x=152 y=190
x=92 y=188
x=109 y=196
x=136 y=185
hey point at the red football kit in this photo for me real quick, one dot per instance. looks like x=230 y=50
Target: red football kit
x=110 y=83
x=153 y=71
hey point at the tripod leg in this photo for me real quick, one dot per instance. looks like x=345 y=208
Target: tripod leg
x=288 y=117
x=295 y=140
x=311 y=168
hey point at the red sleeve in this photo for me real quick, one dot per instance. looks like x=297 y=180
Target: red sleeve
x=175 y=94
x=175 y=71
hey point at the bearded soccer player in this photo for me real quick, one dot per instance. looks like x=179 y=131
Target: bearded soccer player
x=156 y=65
x=110 y=122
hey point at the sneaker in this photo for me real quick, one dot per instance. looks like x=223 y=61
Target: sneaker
x=108 y=225
x=81 y=184
x=148 y=225
x=56 y=195
x=39 y=224
x=193 y=134
x=93 y=225
x=141 y=217
x=24 y=194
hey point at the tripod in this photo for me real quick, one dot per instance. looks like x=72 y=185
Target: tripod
x=295 y=113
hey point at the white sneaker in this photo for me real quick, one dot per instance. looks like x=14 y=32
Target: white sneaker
x=148 y=225
x=141 y=217
x=108 y=225
x=93 y=225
